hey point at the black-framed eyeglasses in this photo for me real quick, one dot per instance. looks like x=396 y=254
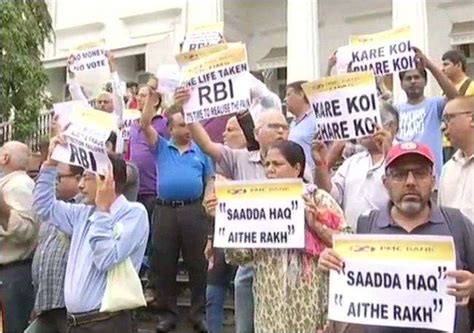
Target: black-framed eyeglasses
x=401 y=175
x=447 y=117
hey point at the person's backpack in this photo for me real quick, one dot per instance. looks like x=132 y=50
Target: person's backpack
x=457 y=227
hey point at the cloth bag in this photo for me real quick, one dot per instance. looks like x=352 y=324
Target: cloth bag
x=123 y=290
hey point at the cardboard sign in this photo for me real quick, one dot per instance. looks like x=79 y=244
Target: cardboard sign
x=346 y=106
x=260 y=214
x=91 y=67
x=396 y=281
x=129 y=116
x=219 y=85
x=203 y=35
x=382 y=53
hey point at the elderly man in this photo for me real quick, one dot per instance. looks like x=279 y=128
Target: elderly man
x=456 y=188
x=18 y=236
x=241 y=164
x=409 y=180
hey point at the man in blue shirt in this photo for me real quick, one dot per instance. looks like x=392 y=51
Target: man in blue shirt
x=95 y=247
x=183 y=171
x=303 y=127
x=420 y=116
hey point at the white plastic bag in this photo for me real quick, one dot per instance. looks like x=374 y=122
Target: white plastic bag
x=124 y=289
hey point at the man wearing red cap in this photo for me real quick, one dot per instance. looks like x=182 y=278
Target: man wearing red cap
x=409 y=180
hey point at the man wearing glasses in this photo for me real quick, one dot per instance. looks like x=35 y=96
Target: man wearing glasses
x=456 y=188
x=50 y=259
x=409 y=180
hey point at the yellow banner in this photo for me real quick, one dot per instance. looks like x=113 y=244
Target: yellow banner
x=187 y=57
x=366 y=247
x=259 y=189
x=207 y=27
x=338 y=82
x=89 y=45
x=393 y=34
x=232 y=55
x=84 y=115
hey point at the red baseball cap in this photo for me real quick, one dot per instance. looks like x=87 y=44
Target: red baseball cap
x=407 y=148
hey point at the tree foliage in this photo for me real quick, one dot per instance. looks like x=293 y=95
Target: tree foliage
x=25 y=27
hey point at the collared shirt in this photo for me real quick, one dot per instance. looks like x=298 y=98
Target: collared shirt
x=49 y=267
x=437 y=226
x=302 y=132
x=95 y=249
x=142 y=156
x=456 y=187
x=181 y=175
x=357 y=186
x=241 y=164
x=19 y=240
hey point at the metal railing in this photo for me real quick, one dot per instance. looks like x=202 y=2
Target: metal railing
x=43 y=126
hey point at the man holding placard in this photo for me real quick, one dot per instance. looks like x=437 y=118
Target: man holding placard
x=183 y=172
x=426 y=278
x=420 y=116
x=106 y=232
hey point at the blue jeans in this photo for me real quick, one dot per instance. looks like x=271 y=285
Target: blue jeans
x=215 y=295
x=244 y=300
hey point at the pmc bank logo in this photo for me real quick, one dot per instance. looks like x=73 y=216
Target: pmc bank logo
x=237 y=191
x=362 y=248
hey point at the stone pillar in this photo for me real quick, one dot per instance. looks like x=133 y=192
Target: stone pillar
x=412 y=13
x=302 y=40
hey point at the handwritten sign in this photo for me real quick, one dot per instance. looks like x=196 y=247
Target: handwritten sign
x=394 y=281
x=346 y=106
x=219 y=85
x=203 y=35
x=382 y=53
x=91 y=67
x=260 y=214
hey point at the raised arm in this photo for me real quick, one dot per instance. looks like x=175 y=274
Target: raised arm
x=74 y=87
x=444 y=82
x=113 y=242
x=147 y=116
x=198 y=132
x=117 y=94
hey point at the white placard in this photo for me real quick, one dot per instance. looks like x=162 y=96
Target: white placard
x=219 y=83
x=168 y=78
x=91 y=69
x=129 y=116
x=260 y=214
x=64 y=111
x=383 y=53
x=203 y=36
x=346 y=106
x=393 y=280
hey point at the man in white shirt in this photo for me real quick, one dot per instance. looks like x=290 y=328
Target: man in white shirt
x=456 y=188
x=357 y=185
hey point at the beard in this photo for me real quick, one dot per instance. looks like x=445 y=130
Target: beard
x=411 y=208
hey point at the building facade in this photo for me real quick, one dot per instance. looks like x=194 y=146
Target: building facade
x=287 y=40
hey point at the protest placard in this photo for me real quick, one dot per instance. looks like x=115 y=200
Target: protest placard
x=129 y=116
x=346 y=106
x=219 y=84
x=90 y=67
x=260 y=214
x=393 y=280
x=203 y=35
x=64 y=111
x=85 y=147
x=382 y=53
x=168 y=78
x=104 y=120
